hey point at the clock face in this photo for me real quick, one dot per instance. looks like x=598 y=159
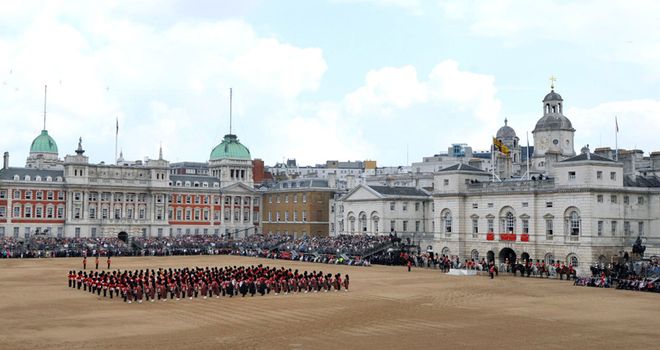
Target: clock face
x=555 y=142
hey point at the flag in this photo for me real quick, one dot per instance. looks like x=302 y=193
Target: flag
x=616 y=123
x=500 y=146
x=117 y=129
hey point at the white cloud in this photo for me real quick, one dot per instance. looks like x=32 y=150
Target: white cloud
x=614 y=31
x=164 y=81
x=411 y=6
x=638 y=126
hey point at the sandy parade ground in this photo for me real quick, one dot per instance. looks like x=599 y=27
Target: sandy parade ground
x=386 y=308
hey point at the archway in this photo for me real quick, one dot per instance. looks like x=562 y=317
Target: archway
x=490 y=256
x=123 y=236
x=524 y=256
x=507 y=253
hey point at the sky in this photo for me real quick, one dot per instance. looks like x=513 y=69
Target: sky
x=385 y=80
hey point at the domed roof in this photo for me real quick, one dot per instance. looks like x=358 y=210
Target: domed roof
x=552 y=96
x=554 y=122
x=506 y=131
x=43 y=144
x=230 y=148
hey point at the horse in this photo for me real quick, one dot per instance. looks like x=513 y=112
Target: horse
x=565 y=270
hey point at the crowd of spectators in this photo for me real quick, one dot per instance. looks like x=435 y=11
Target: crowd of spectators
x=343 y=249
x=639 y=276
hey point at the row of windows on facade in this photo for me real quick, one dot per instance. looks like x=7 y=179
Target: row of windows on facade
x=286 y=198
x=203 y=215
x=615 y=199
x=193 y=184
x=362 y=225
x=404 y=206
x=285 y=218
x=39 y=211
x=522 y=204
x=120 y=197
x=204 y=199
x=234 y=174
x=36 y=194
x=27 y=231
x=599 y=175
x=38 y=178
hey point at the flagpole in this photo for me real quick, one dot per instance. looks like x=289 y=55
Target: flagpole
x=616 y=139
x=528 y=173
x=116 y=137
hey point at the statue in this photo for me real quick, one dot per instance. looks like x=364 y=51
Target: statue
x=638 y=248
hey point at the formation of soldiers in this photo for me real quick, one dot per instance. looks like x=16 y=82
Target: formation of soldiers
x=208 y=282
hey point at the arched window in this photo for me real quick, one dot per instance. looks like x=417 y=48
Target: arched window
x=572 y=260
x=510 y=222
x=575 y=223
x=446 y=221
x=446 y=251
x=363 y=223
x=549 y=258
x=475 y=255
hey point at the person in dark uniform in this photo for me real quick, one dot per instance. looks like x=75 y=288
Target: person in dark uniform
x=96 y=261
x=84 y=263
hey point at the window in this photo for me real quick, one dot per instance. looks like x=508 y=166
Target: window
x=17 y=212
x=446 y=182
x=548 y=204
x=92 y=213
x=77 y=196
x=286 y=216
x=38 y=212
x=575 y=223
x=510 y=223
x=278 y=198
x=3 y=212
x=640 y=228
x=39 y=195
x=446 y=222
x=28 y=194
x=490 y=205
x=599 y=175
x=640 y=200
x=197 y=199
x=549 y=228
x=392 y=205
x=188 y=199
x=613 y=198
x=104 y=213
x=3 y=194
x=525 y=204
x=17 y=194
x=295 y=198
x=143 y=213
x=417 y=226
x=613 y=227
x=304 y=216
x=28 y=211
x=600 y=228
x=416 y=206
x=405 y=225
x=491 y=225
x=392 y=225
x=196 y=215
x=16 y=232
x=525 y=226
x=129 y=213
x=93 y=232
x=2 y=232
x=571 y=175
x=626 y=200
x=475 y=226
x=599 y=198
x=404 y=206
x=179 y=214
x=77 y=232
x=626 y=228
x=475 y=206
x=286 y=198
x=304 y=199
x=613 y=175
x=277 y=216
x=270 y=217
x=117 y=213
x=188 y=214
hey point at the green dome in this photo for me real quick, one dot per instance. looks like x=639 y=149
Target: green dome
x=230 y=148
x=43 y=144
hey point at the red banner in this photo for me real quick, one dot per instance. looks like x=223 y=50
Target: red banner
x=524 y=237
x=507 y=237
x=490 y=236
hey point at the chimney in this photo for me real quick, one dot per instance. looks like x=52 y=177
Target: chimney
x=5 y=160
